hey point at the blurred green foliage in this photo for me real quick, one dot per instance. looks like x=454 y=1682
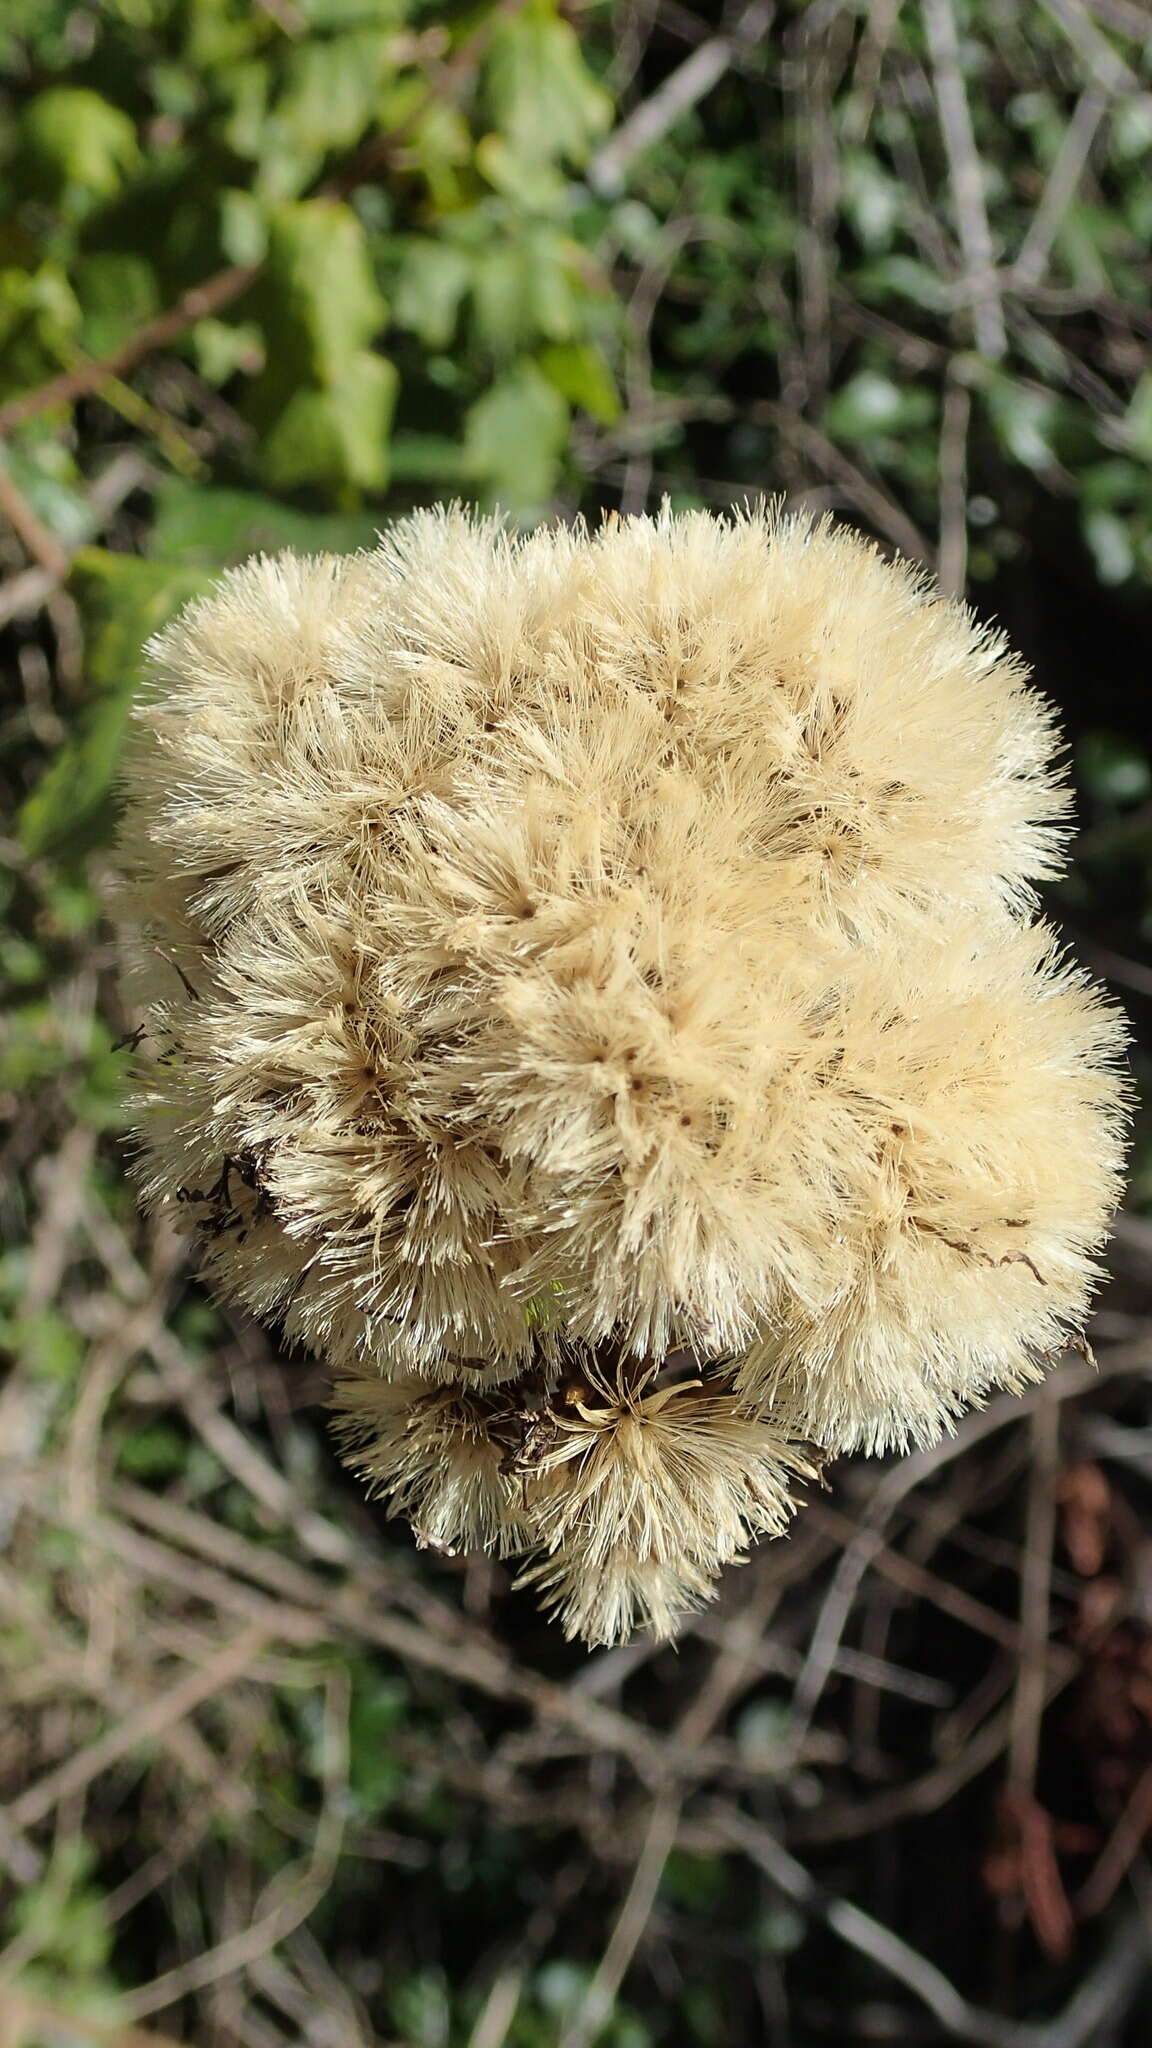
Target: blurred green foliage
x=379 y=213
x=403 y=233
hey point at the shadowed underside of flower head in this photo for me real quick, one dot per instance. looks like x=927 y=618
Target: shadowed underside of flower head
x=565 y=947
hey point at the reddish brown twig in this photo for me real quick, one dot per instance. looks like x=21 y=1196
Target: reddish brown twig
x=191 y=306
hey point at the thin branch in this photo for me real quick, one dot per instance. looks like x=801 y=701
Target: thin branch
x=1035 y=1595
x=197 y=304
x=1103 y=1996
x=901 y=1481
x=685 y=87
x=150 y=1720
x=37 y=540
x=596 y=2005
x=952 y=552
x=1105 y=65
x=228 y=284
x=967 y=177
x=1120 y=1850
x=1061 y=187
x=499 y=2008
x=292 y=1894
x=870 y=499
x=25 y=2013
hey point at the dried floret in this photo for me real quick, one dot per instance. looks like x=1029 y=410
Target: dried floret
x=435 y=1454
x=638 y=1486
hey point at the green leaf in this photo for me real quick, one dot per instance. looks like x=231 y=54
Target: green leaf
x=243 y=227
x=427 y=458
x=377 y=1710
x=1110 y=539
x=45 y=473
x=542 y=97
x=39 y=319
x=1025 y=419
x=332 y=89
x=872 y=199
x=432 y=281
x=1114 y=771
x=502 y=293
x=74 y=138
x=223 y=348
x=337 y=14
x=32 y=1046
x=155 y=1451
x=320 y=297
x=197 y=524
x=422 y=2008
x=47 y=1345
x=514 y=438
x=62 y=1917
x=580 y=372
x=123 y=601
x=118 y=292
x=338 y=434
x=533 y=185
x=527 y=287
x=868 y=404
x=1136 y=426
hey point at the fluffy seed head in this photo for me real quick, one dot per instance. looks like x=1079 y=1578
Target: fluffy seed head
x=574 y=946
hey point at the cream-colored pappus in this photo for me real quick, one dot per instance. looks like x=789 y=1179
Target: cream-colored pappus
x=568 y=950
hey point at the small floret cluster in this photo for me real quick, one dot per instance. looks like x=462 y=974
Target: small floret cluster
x=595 y=1000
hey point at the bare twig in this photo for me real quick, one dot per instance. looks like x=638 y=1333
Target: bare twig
x=967 y=177
x=1035 y=1620
x=24 y=594
x=1120 y=1850
x=499 y=2008
x=197 y=304
x=232 y=282
x=37 y=539
x=841 y=1821
x=596 y=2005
x=23 y=2011
x=952 y=556
x=1105 y=65
x=1060 y=190
x=1103 y=1996
x=683 y=89
x=290 y=1897
x=898 y=1483
x=149 y=1721
x=870 y=499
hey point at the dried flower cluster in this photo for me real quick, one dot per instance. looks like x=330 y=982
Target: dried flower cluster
x=596 y=1002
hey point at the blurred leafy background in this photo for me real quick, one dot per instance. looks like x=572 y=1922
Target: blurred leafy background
x=271 y=272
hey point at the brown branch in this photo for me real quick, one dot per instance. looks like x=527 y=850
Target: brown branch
x=23 y=2012
x=196 y=304
x=1102 y=1998
x=36 y=539
x=290 y=1896
x=150 y=1720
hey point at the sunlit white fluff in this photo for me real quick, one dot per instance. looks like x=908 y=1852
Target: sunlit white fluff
x=584 y=945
